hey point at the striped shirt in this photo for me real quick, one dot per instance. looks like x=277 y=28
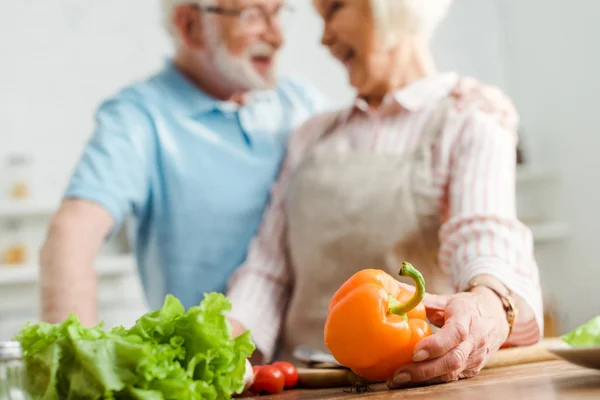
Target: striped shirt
x=474 y=164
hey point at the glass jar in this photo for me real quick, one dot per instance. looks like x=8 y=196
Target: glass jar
x=13 y=381
x=14 y=247
x=19 y=177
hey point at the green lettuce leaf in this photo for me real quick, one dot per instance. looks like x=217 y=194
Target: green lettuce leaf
x=168 y=354
x=587 y=334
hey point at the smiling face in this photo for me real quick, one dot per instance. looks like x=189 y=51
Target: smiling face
x=351 y=37
x=241 y=47
x=245 y=48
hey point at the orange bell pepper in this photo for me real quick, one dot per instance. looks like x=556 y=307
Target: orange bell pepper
x=373 y=323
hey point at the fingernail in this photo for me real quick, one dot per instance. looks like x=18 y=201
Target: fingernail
x=401 y=379
x=421 y=355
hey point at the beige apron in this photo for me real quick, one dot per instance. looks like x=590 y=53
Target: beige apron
x=357 y=210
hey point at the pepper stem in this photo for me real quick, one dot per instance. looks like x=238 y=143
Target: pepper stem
x=411 y=272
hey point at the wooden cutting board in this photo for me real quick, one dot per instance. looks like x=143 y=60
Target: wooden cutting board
x=324 y=376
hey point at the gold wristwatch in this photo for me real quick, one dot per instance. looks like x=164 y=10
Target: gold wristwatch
x=505 y=295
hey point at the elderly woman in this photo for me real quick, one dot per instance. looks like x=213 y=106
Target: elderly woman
x=403 y=174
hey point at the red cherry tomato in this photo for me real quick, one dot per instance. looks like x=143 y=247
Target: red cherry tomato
x=290 y=373
x=255 y=368
x=268 y=379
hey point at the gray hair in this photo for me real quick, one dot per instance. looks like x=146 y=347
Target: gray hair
x=168 y=6
x=420 y=17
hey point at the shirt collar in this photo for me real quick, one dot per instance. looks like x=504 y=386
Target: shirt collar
x=414 y=97
x=191 y=100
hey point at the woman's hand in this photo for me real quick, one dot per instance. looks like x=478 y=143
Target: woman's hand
x=248 y=379
x=473 y=327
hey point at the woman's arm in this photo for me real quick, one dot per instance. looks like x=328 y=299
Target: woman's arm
x=482 y=235
x=259 y=289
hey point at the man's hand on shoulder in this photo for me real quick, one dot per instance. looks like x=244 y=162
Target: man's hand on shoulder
x=489 y=99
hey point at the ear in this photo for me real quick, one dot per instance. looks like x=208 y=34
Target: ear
x=189 y=25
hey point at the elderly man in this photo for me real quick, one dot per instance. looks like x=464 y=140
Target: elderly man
x=190 y=152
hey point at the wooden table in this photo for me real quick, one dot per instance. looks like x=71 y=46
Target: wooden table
x=538 y=381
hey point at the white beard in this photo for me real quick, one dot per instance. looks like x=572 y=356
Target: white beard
x=239 y=69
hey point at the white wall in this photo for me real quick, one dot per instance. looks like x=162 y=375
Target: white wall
x=59 y=59
x=471 y=41
x=552 y=64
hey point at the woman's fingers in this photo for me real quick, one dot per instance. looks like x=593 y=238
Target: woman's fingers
x=475 y=363
x=452 y=364
x=454 y=332
x=435 y=302
x=460 y=348
x=437 y=318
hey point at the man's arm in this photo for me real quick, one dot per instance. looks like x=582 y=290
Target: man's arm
x=67 y=276
x=110 y=181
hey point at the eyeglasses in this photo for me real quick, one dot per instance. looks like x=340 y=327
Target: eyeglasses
x=253 y=19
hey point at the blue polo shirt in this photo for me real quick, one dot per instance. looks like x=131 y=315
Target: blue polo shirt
x=194 y=172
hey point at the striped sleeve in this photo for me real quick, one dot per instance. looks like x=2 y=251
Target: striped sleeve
x=482 y=234
x=259 y=289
